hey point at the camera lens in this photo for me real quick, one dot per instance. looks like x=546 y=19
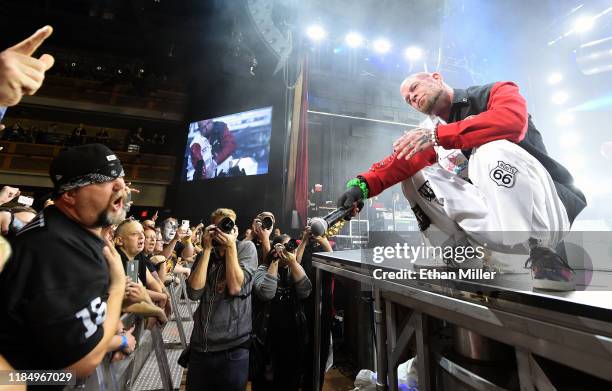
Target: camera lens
x=226 y=225
x=291 y=245
x=266 y=222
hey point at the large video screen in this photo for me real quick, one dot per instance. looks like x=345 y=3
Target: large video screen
x=228 y=146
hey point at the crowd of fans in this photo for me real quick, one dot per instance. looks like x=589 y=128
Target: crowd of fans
x=68 y=271
x=138 y=139
x=79 y=263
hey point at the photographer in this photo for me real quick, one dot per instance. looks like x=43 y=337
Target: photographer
x=260 y=232
x=311 y=244
x=314 y=244
x=221 y=279
x=280 y=327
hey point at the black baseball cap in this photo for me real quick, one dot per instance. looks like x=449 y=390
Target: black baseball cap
x=84 y=165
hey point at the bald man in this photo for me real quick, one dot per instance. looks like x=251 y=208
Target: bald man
x=129 y=239
x=514 y=197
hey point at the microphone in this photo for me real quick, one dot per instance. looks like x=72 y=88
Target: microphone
x=319 y=225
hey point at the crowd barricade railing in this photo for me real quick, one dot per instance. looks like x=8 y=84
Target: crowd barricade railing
x=183 y=285
x=177 y=315
x=107 y=376
x=122 y=375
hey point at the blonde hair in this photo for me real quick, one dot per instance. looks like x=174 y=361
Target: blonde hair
x=223 y=212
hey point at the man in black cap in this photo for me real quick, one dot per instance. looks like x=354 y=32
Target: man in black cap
x=61 y=291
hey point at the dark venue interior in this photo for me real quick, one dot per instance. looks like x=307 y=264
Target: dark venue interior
x=305 y=195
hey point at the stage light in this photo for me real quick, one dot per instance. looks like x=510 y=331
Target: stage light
x=381 y=46
x=565 y=119
x=570 y=139
x=413 y=53
x=555 y=78
x=560 y=97
x=584 y=24
x=354 y=40
x=316 y=32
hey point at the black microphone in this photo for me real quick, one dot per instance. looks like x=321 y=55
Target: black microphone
x=318 y=225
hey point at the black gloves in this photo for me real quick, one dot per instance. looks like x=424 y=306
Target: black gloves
x=350 y=196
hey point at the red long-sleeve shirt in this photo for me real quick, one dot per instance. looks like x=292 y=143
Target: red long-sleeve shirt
x=196 y=156
x=504 y=119
x=478 y=115
x=228 y=146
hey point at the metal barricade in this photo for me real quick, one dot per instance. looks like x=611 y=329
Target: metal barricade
x=183 y=285
x=127 y=374
x=177 y=313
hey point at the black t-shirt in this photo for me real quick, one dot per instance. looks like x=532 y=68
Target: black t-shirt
x=147 y=261
x=53 y=294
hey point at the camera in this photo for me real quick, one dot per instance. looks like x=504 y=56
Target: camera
x=291 y=245
x=226 y=225
x=266 y=222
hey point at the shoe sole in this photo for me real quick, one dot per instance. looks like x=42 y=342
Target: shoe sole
x=551 y=285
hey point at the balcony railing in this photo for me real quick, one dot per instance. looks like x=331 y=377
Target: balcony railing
x=36 y=158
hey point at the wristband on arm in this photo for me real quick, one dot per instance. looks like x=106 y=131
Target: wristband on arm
x=124 y=342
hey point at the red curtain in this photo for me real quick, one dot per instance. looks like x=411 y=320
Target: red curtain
x=301 y=175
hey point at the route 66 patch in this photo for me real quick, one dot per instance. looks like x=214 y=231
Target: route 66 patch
x=503 y=174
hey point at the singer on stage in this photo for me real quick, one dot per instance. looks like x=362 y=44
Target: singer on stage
x=512 y=185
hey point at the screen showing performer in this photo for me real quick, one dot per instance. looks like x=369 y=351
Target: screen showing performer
x=228 y=146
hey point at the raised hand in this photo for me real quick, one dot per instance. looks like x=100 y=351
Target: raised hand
x=412 y=142
x=20 y=73
x=8 y=193
x=115 y=267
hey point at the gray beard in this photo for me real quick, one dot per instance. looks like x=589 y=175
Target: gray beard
x=106 y=219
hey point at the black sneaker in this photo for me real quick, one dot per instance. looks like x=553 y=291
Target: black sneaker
x=549 y=271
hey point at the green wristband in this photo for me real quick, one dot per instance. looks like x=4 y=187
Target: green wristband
x=360 y=184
